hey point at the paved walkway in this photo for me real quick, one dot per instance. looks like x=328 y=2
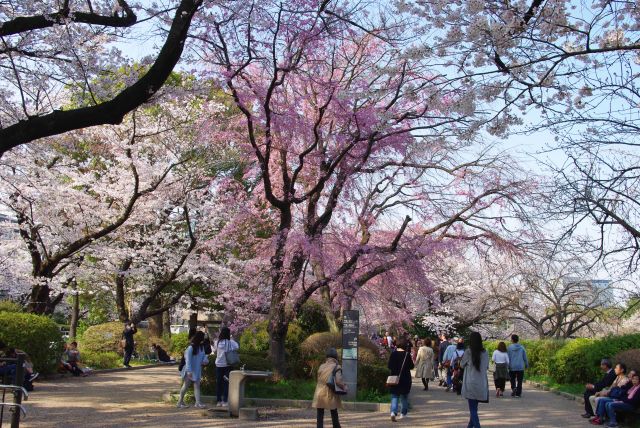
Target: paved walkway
x=123 y=399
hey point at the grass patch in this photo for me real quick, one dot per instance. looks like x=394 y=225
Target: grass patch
x=302 y=389
x=571 y=388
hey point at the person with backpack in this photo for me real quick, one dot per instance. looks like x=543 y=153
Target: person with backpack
x=400 y=365
x=191 y=370
x=328 y=389
x=457 y=368
x=475 y=385
x=517 y=363
x=225 y=350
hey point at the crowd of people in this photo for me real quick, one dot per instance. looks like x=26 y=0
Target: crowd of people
x=617 y=391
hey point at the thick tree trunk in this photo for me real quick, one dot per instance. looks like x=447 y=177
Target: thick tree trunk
x=166 y=322
x=193 y=320
x=121 y=304
x=325 y=293
x=155 y=321
x=278 y=328
x=75 y=313
x=40 y=301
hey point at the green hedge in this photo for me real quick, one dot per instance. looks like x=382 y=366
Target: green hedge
x=572 y=360
x=106 y=338
x=179 y=342
x=579 y=359
x=255 y=338
x=36 y=335
x=101 y=360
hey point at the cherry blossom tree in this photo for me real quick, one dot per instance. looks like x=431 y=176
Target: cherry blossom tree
x=345 y=127
x=49 y=47
x=81 y=188
x=565 y=67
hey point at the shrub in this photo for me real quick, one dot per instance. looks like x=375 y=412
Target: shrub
x=540 y=354
x=10 y=306
x=36 y=335
x=372 y=377
x=106 y=338
x=579 y=359
x=312 y=318
x=630 y=357
x=101 y=360
x=255 y=338
x=179 y=343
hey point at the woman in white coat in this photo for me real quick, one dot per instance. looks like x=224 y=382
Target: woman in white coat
x=424 y=363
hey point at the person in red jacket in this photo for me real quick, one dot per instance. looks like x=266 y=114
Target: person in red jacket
x=625 y=404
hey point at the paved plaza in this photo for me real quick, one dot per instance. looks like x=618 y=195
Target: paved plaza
x=133 y=398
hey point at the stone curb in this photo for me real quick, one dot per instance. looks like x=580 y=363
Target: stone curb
x=355 y=406
x=566 y=395
x=99 y=371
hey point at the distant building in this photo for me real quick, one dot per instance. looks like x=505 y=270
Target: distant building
x=601 y=288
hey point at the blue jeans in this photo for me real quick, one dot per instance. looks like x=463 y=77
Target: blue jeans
x=474 y=419
x=612 y=406
x=449 y=378
x=601 y=410
x=394 y=403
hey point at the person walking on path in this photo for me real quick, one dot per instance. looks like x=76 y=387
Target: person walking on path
x=475 y=386
x=424 y=363
x=223 y=345
x=128 y=342
x=447 y=359
x=324 y=397
x=191 y=373
x=500 y=358
x=400 y=364
x=517 y=363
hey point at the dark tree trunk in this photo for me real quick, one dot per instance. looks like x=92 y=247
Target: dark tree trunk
x=121 y=304
x=75 y=312
x=277 y=353
x=193 y=320
x=166 y=322
x=40 y=301
x=155 y=321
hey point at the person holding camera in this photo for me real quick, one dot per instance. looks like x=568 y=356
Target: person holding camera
x=127 y=341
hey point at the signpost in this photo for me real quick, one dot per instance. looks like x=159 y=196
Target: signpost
x=350 y=329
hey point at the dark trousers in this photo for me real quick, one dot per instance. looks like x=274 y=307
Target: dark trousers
x=8 y=370
x=222 y=385
x=425 y=382
x=128 y=351
x=587 y=404
x=334 y=418
x=73 y=368
x=516 y=378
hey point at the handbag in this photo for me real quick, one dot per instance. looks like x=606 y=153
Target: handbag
x=331 y=382
x=231 y=356
x=395 y=380
x=616 y=392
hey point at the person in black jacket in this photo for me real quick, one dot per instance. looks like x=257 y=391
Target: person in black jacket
x=400 y=364
x=626 y=404
x=592 y=388
x=127 y=335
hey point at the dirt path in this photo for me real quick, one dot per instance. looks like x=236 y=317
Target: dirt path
x=123 y=399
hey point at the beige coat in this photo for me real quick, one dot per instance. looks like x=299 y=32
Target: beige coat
x=325 y=398
x=424 y=363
